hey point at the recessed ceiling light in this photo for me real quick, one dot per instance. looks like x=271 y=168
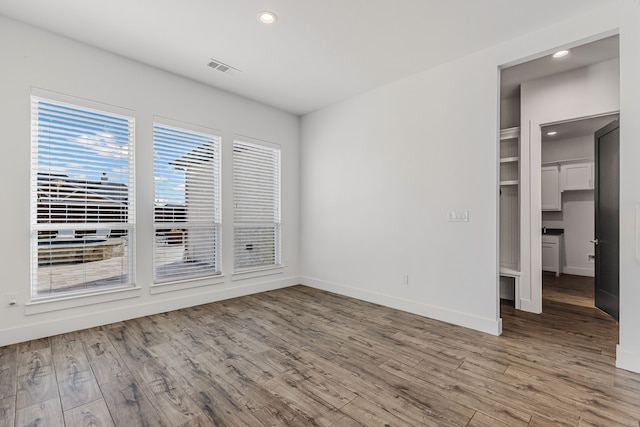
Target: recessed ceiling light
x=552 y=133
x=267 y=17
x=560 y=54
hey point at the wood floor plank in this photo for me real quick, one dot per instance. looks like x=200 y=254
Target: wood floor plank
x=93 y=414
x=481 y=420
x=128 y=405
x=45 y=413
x=460 y=392
x=76 y=383
x=7 y=411
x=36 y=381
x=8 y=371
x=332 y=392
x=276 y=414
x=33 y=345
x=169 y=399
x=307 y=404
x=369 y=414
x=235 y=383
x=222 y=409
x=103 y=357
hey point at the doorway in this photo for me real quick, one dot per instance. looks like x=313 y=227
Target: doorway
x=570 y=213
x=535 y=94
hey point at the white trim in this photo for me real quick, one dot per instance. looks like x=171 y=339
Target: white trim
x=166 y=121
x=80 y=300
x=256 y=141
x=482 y=324
x=638 y=232
x=627 y=359
x=258 y=272
x=579 y=271
x=178 y=285
x=83 y=102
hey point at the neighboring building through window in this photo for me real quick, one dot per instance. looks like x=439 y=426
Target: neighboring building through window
x=187 y=216
x=81 y=199
x=256 y=213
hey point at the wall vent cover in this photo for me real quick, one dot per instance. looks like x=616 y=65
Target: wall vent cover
x=222 y=67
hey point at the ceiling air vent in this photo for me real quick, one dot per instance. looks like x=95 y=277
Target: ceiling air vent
x=222 y=67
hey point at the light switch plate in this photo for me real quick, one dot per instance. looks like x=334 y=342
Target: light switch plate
x=459 y=216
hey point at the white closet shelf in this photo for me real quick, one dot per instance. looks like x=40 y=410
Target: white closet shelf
x=511 y=182
x=509 y=159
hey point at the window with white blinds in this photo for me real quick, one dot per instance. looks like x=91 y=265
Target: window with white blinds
x=256 y=213
x=81 y=199
x=187 y=203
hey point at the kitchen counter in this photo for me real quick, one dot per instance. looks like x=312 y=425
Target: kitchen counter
x=552 y=231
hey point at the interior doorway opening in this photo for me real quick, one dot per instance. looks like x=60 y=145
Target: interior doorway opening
x=534 y=95
x=568 y=194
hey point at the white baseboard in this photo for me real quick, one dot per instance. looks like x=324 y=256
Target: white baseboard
x=487 y=325
x=579 y=271
x=50 y=327
x=628 y=360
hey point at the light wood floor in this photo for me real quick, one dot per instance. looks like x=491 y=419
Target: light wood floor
x=300 y=357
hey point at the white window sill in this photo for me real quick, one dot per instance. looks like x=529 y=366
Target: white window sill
x=81 y=300
x=178 y=285
x=258 y=272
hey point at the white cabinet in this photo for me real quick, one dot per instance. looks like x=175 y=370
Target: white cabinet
x=550 y=182
x=551 y=250
x=576 y=176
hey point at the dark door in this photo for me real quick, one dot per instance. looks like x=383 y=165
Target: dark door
x=607 y=218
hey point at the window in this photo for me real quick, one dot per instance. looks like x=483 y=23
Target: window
x=256 y=194
x=81 y=198
x=187 y=203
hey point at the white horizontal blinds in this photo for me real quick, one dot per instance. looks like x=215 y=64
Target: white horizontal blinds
x=187 y=203
x=256 y=194
x=82 y=193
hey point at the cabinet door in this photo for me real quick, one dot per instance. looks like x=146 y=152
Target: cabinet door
x=577 y=176
x=550 y=181
x=549 y=257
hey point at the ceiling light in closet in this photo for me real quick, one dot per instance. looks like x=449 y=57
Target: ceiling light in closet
x=552 y=133
x=267 y=17
x=560 y=54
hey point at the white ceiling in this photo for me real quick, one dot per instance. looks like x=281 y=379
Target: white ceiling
x=577 y=128
x=580 y=56
x=318 y=52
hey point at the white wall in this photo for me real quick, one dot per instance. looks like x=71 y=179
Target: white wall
x=580 y=147
x=380 y=173
x=33 y=58
x=381 y=170
x=510 y=112
x=577 y=220
x=628 y=354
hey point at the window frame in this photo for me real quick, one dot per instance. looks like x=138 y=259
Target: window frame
x=125 y=227
x=215 y=135
x=262 y=269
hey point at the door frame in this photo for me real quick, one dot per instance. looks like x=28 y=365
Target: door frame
x=535 y=204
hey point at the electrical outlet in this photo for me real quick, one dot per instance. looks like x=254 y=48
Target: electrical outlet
x=405 y=279
x=12 y=299
x=591 y=258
